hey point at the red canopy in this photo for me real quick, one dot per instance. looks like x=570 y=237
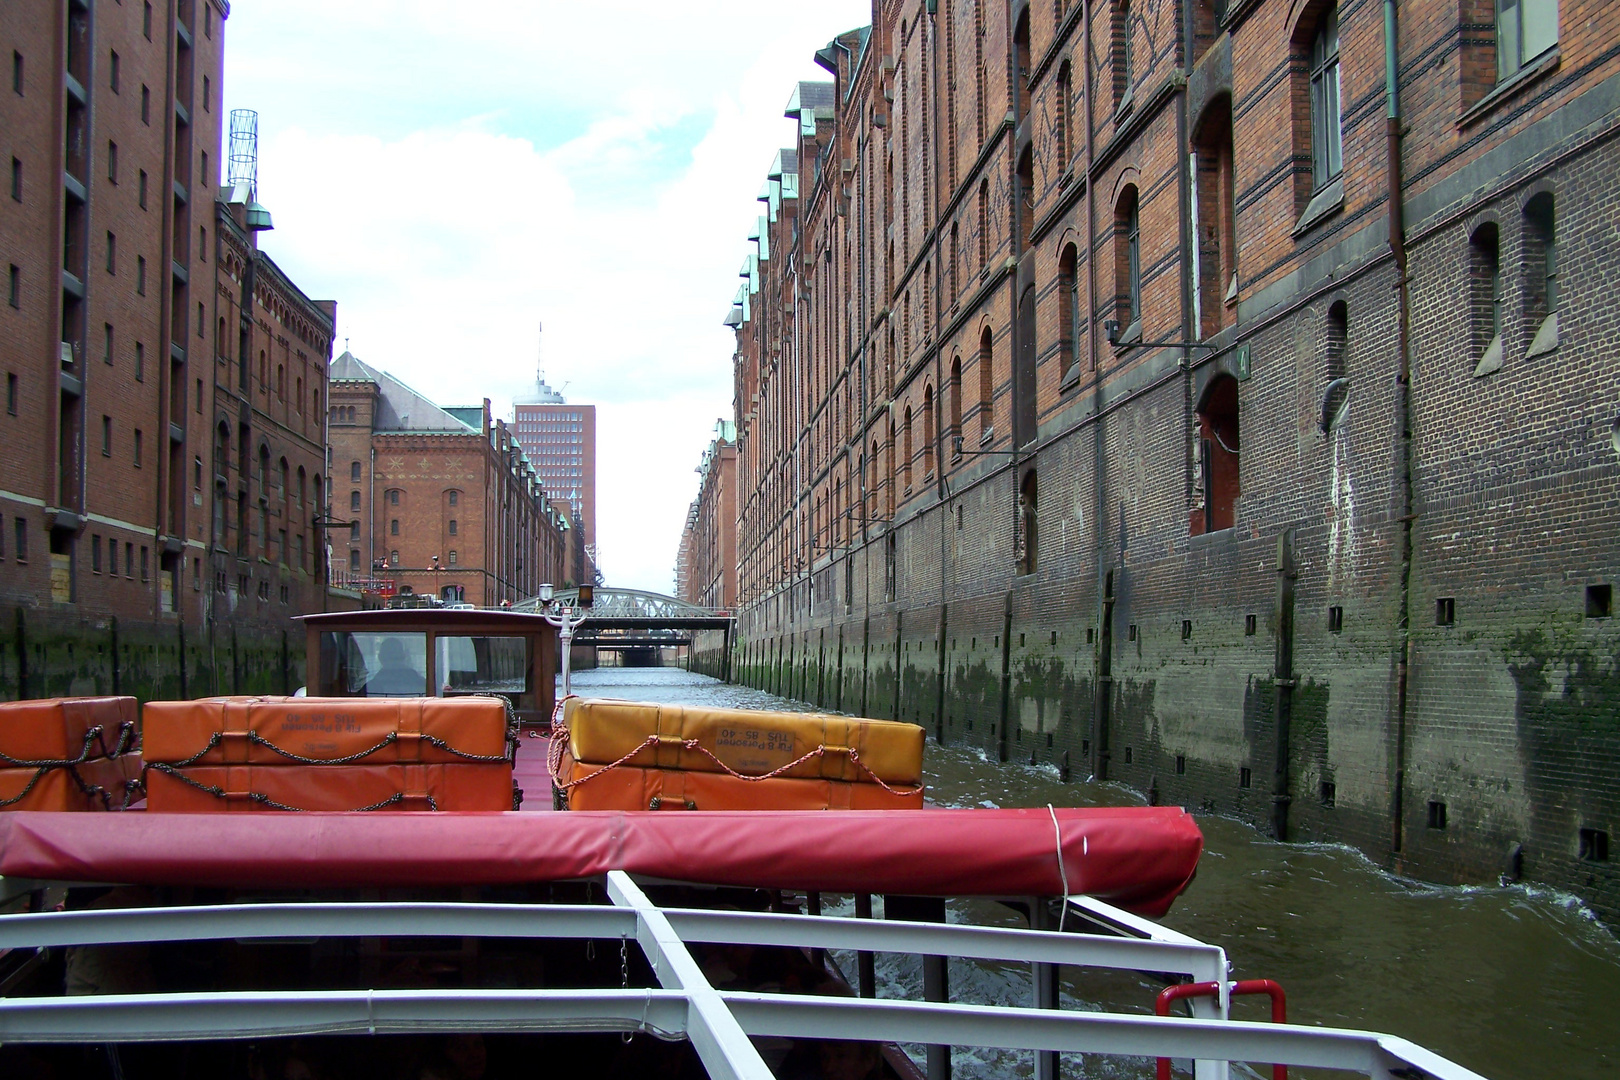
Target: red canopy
x=1138 y=857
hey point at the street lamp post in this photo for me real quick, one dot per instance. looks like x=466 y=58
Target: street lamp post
x=566 y=618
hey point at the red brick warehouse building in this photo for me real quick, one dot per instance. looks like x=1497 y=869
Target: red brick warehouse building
x=127 y=532
x=442 y=502
x=1115 y=381
x=706 y=565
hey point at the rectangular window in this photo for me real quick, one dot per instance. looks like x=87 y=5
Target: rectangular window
x=1525 y=29
x=202 y=320
x=112 y=254
x=452 y=556
x=452 y=526
x=112 y=76
x=15 y=292
x=199 y=397
x=21 y=545
x=142 y=189
x=146 y=105
x=1327 y=145
x=112 y=161
x=95 y=553
x=354 y=500
x=140 y=275
x=106 y=436
x=146 y=21
x=129 y=560
x=16 y=180
x=207 y=95
x=107 y=344
x=11 y=393
x=137 y=448
x=17 y=71
x=393 y=527
x=203 y=172
x=1445 y=611
x=202 y=243
x=140 y=362
x=146 y=564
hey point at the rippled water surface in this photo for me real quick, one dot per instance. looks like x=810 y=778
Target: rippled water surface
x=1515 y=983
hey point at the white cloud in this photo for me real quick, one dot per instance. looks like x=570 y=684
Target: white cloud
x=451 y=182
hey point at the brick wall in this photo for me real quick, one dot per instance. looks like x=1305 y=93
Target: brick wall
x=1142 y=646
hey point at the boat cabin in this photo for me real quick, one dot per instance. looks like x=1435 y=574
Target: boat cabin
x=434 y=652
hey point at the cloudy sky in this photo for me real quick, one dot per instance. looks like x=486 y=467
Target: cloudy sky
x=453 y=182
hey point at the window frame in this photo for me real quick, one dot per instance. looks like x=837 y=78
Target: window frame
x=1326 y=95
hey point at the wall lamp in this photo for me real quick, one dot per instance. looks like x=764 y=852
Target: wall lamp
x=1111 y=328
x=956 y=447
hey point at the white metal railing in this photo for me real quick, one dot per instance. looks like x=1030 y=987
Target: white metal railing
x=685 y=1005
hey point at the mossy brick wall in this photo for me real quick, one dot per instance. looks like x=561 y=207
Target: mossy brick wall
x=51 y=654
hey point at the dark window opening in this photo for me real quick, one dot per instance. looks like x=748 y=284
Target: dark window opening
x=1599 y=601
x=1250 y=625
x=1069 y=310
x=1445 y=611
x=1130 y=633
x=1329 y=793
x=1335 y=619
x=1217 y=229
x=1218 y=463
x=1437 y=814
x=1028 y=522
x=1127 y=262
x=16 y=180
x=1245 y=777
x=1128 y=755
x=1186 y=629
x=1485 y=297
x=1594 y=845
x=1181 y=764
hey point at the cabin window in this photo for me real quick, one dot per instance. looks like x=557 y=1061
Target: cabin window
x=373 y=665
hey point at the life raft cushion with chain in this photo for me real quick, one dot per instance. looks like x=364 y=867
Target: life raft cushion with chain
x=66 y=730
x=750 y=742
x=291 y=731
x=630 y=787
x=100 y=783
x=215 y=788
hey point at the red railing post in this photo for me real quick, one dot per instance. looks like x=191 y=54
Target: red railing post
x=1269 y=987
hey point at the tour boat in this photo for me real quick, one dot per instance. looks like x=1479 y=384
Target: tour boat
x=627 y=942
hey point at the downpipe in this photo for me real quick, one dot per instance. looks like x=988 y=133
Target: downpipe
x=1403 y=420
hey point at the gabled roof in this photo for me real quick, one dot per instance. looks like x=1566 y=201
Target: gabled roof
x=399 y=408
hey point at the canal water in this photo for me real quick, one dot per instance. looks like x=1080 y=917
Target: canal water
x=1513 y=982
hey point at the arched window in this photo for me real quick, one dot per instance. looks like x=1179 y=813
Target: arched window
x=354 y=471
x=1127 y=263
x=905 y=461
x=1218 y=446
x=928 y=433
x=1485 y=299
x=1065 y=96
x=984 y=225
x=1122 y=58
x=987 y=389
x=354 y=502
x=1069 y=308
x=955 y=432
x=1021 y=63
x=1028 y=534
x=873 y=482
x=1541 y=271
x=890 y=472
x=1336 y=332
x=1217 y=231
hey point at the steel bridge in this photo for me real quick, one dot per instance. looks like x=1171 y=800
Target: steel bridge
x=631 y=620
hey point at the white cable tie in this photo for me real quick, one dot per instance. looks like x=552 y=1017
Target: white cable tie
x=1063 y=871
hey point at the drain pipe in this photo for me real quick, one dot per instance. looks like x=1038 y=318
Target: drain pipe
x=1403 y=418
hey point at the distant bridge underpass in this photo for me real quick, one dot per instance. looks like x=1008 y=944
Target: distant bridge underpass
x=631 y=621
